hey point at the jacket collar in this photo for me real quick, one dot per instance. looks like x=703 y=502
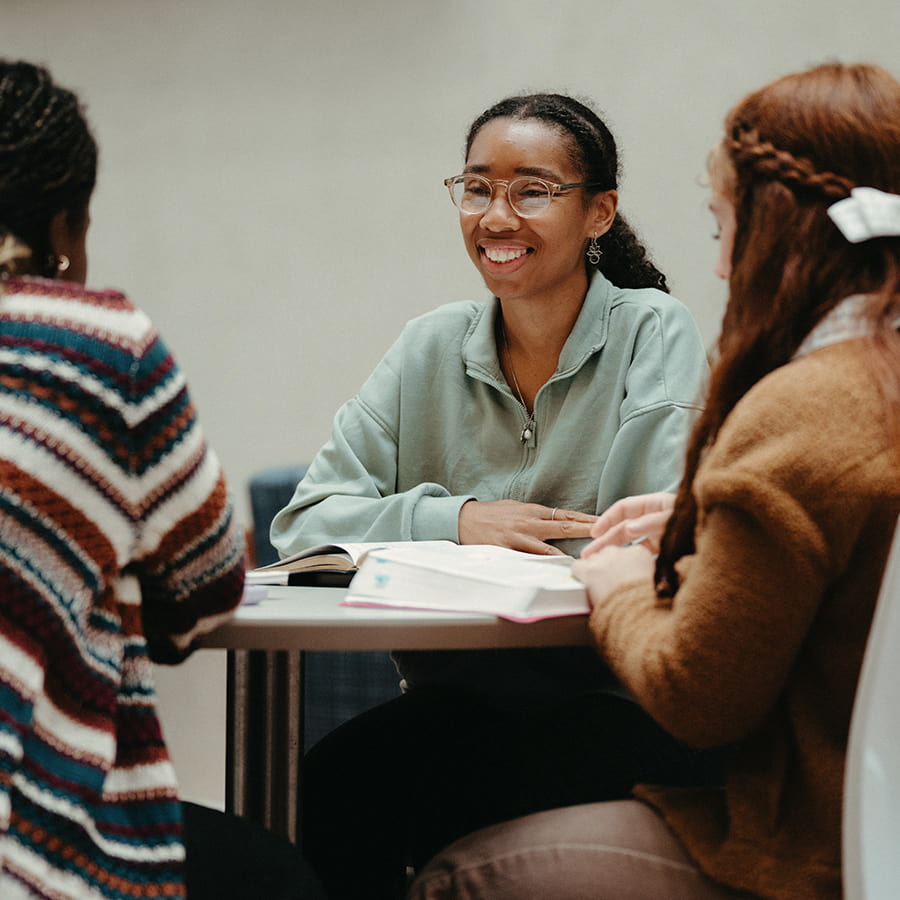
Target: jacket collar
x=588 y=335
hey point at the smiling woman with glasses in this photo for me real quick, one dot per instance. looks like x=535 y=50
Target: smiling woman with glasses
x=512 y=421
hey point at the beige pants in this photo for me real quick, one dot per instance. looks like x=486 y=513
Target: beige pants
x=617 y=850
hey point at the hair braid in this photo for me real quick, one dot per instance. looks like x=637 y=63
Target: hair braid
x=48 y=163
x=798 y=173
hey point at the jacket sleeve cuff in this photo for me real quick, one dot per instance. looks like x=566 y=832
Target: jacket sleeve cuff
x=437 y=518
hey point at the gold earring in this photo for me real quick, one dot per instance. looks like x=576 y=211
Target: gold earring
x=62 y=263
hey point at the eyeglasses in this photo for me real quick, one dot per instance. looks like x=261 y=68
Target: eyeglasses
x=473 y=194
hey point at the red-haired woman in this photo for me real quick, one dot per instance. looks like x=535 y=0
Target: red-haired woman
x=750 y=626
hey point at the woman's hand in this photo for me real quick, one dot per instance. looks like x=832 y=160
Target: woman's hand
x=521 y=526
x=610 y=567
x=643 y=516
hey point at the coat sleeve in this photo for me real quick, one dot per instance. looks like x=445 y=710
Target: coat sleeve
x=710 y=665
x=782 y=502
x=188 y=559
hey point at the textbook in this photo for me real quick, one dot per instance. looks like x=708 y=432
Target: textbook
x=523 y=587
x=324 y=565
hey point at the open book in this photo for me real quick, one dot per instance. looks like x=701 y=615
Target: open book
x=326 y=564
x=469 y=578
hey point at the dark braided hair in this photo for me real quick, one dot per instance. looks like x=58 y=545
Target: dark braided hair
x=48 y=163
x=625 y=261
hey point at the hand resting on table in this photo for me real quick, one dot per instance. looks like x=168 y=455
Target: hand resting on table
x=521 y=526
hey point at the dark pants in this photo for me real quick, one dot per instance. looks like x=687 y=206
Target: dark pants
x=229 y=858
x=396 y=784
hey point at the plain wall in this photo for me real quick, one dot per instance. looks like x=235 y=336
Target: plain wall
x=270 y=182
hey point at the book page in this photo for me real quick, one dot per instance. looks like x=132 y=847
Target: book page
x=473 y=578
x=329 y=557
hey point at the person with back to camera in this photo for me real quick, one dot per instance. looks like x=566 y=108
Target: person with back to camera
x=750 y=627
x=512 y=422
x=118 y=545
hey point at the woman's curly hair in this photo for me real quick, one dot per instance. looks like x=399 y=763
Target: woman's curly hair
x=625 y=261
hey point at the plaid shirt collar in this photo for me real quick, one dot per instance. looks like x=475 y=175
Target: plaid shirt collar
x=843 y=323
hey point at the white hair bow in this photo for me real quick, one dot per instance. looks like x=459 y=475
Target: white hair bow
x=867 y=213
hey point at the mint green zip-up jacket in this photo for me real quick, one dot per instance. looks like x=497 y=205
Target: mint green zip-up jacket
x=436 y=424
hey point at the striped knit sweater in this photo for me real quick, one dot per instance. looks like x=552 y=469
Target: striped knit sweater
x=117 y=546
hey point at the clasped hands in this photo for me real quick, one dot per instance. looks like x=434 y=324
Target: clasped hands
x=605 y=563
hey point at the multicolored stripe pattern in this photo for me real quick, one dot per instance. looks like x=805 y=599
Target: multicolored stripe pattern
x=117 y=546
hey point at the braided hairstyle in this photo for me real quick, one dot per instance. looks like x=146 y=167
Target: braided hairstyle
x=48 y=163
x=790 y=150
x=592 y=148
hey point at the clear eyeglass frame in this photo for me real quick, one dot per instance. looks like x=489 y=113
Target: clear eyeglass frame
x=527 y=196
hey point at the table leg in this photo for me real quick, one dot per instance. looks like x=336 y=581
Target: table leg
x=265 y=737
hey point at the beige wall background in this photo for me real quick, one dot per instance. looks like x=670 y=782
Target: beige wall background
x=270 y=183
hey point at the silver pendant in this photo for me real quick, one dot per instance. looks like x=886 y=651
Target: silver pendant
x=527 y=434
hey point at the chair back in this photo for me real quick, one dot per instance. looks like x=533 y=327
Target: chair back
x=871 y=816
x=270 y=490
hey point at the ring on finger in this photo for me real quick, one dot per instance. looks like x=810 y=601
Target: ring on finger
x=553 y=514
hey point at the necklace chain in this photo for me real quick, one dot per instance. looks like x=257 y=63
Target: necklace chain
x=528 y=424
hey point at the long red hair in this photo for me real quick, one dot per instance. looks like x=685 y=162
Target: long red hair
x=790 y=150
